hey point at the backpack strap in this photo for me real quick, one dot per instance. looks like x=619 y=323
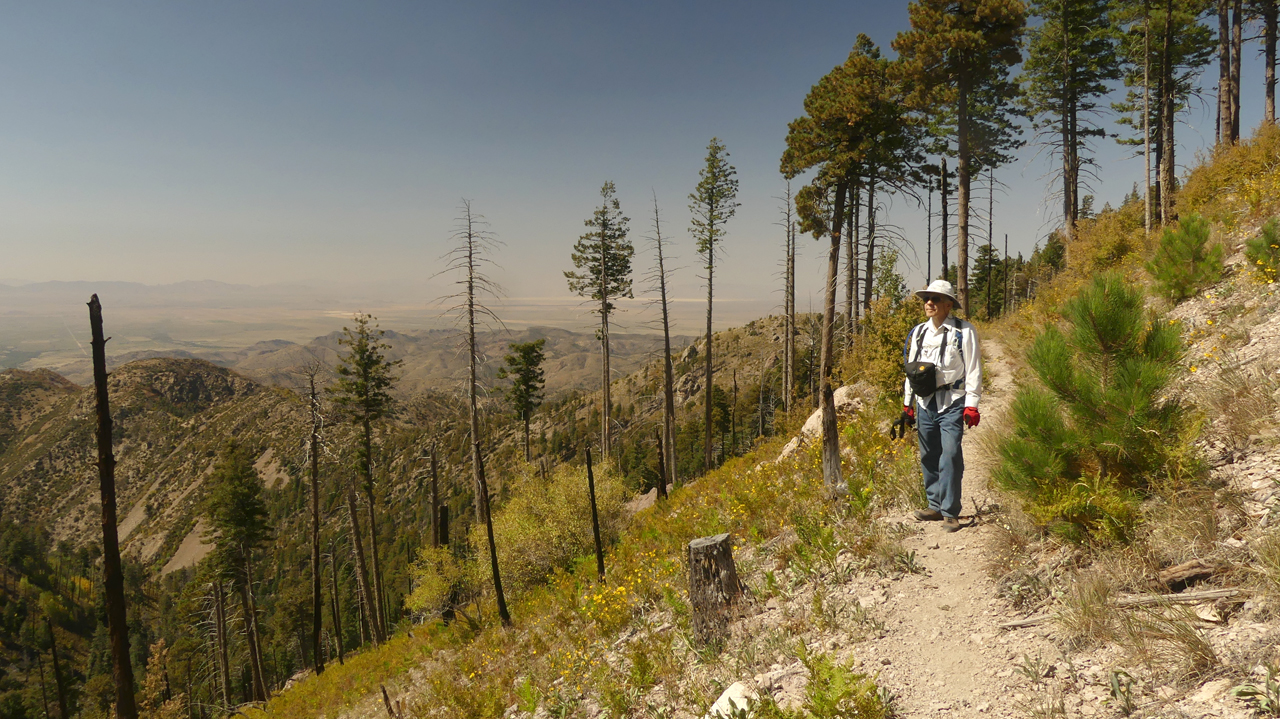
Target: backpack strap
x=958 y=384
x=918 y=333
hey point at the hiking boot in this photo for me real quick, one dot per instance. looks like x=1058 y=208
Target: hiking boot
x=950 y=524
x=928 y=515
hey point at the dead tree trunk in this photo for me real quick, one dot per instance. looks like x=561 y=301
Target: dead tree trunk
x=335 y=600
x=713 y=587
x=44 y=692
x=255 y=666
x=662 y=466
x=362 y=577
x=668 y=372
x=113 y=578
x=57 y=671
x=830 y=439
x=313 y=447
x=435 y=498
x=945 y=218
x=220 y=632
x=379 y=601
x=595 y=517
x=503 y=614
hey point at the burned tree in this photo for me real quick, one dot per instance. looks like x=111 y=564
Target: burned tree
x=467 y=261
x=112 y=576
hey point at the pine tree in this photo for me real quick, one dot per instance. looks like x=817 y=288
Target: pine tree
x=363 y=393
x=1098 y=429
x=1268 y=11
x=603 y=258
x=1184 y=263
x=1071 y=58
x=854 y=130
x=1163 y=50
x=989 y=276
x=960 y=53
x=712 y=203
x=524 y=368
x=237 y=517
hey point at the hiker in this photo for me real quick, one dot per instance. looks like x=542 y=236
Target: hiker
x=944 y=382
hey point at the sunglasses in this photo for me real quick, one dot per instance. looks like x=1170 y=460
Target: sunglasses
x=935 y=299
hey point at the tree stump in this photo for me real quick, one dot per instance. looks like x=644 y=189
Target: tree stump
x=713 y=587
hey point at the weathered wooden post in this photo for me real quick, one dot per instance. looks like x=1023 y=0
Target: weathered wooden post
x=113 y=577
x=595 y=517
x=714 y=586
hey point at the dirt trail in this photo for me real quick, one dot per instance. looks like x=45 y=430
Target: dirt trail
x=944 y=650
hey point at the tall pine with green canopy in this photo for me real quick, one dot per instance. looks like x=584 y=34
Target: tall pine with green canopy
x=960 y=53
x=238 y=524
x=602 y=257
x=1071 y=58
x=713 y=203
x=1163 y=49
x=363 y=394
x=1098 y=430
x=854 y=131
x=524 y=369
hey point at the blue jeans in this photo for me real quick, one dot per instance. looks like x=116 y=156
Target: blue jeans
x=941 y=457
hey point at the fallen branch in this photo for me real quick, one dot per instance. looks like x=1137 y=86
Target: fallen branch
x=1185 y=598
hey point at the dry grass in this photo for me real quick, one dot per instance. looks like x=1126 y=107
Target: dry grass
x=1167 y=641
x=1181 y=526
x=1086 y=613
x=1237 y=183
x=1244 y=399
x=1266 y=551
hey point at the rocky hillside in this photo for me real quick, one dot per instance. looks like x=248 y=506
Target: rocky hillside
x=171 y=417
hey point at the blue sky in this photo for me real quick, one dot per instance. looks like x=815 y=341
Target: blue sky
x=331 y=142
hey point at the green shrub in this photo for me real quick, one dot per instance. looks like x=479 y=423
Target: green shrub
x=1263 y=252
x=546 y=524
x=1184 y=262
x=437 y=579
x=1097 y=431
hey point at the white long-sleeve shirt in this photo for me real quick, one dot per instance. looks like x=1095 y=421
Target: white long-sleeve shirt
x=962 y=363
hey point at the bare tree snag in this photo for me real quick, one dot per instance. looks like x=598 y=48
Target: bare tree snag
x=503 y=614
x=220 y=632
x=595 y=517
x=362 y=576
x=435 y=499
x=713 y=587
x=313 y=449
x=662 y=466
x=57 y=671
x=334 y=597
x=113 y=578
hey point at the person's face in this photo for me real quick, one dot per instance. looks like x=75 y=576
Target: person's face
x=937 y=307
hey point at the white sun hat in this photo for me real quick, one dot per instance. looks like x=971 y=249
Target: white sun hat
x=939 y=287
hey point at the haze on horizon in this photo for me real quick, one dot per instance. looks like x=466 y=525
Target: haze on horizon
x=326 y=146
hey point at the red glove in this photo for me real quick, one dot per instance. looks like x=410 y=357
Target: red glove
x=971 y=416
x=909 y=411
